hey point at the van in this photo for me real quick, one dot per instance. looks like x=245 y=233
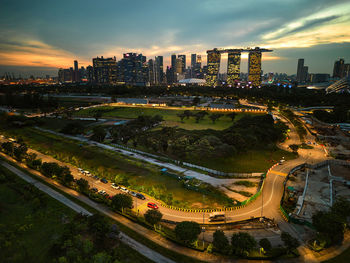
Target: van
x=216 y=216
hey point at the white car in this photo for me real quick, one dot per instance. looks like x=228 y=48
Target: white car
x=80 y=170
x=124 y=189
x=87 y=173
x=114 y=186
x=102 y=192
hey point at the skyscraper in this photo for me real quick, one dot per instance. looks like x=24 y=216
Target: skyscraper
x=213 y=67
x=254 y=68
x=173 y=61
x=338 y=69
x=193 y=64
x=104 y=70
x=183 y=59
x=159 y=73
x=151 y=74
x=76 y=75
x=233 y=67
x=300 y=70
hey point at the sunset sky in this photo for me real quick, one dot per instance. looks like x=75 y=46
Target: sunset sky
x=39 y=36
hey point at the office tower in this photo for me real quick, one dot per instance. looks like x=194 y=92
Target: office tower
x=305 y=74
x=151 y=74
x=76 y=76
x=213 y=67
x=104 y=70
x=183 y=59
x=178 y=67
x=169 y=75
x=193 y=64
x=338 y=69
x=159 y=73
x=233 y=67
x=254 y=68
x=65 y=75
x=90 y=74
x=300 y=70
x=173 y=61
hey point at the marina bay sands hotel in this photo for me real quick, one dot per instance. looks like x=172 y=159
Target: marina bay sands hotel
x=234 y=65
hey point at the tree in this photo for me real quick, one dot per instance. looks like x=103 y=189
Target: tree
x=330 y=225
x=102 y=257
x=220 y=242
x=121 y=201
x=67 y=178
x=8 y=147
x=49 y=169
x=99 y=227
x=83 y=185
x=232 y=115
x=265 y=244
x=242 y=243
x=181 y=116
x=73 y=128
x=99 y=134
x=215 y=116
x=187 y=113
x=196 y=101
x=341 y=208
x=153 y=217
x=97 y=115
x=294 y=147
x=20 y=151
x=290 y=242
x=187 y=231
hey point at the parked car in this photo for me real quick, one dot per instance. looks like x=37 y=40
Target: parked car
x=152 y=205
x=124 y=189
x=132 y=193
x=115 y=186
x=140 y=196
x=102 y=192
x=80 y=170
x=104 y=180
x=94 y=189
x=96 y=177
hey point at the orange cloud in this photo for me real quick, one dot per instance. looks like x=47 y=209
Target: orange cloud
x=35 y=53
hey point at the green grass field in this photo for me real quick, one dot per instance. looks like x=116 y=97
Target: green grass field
x=141 y=176
x=170 y=116
x=249 y=162
x=56 y=124
x=35 y=229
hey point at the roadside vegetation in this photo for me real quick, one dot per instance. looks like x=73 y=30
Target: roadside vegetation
x=296 y=122
x=36 y=228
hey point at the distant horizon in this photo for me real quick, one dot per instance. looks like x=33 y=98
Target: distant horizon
x=43 y=36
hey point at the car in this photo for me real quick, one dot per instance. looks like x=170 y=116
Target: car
x=94 y=189
x=80 y=170
x=115 y=186
x=104 y=180
x=102 y=192
x=132 y=193
x=124 y=189
x=87 y=173
x=140 y=196
x=96 y=177
x=152 y=205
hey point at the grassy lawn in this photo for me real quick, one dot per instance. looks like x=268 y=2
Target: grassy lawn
x=56 y=124
x=249 y=162
x=35 y=229
x=169 y=115
x=141 y=176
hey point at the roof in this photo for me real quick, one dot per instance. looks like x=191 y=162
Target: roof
x=193 y=80
x=132 y=100
x=222 y=106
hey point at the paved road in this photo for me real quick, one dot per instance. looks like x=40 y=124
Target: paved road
x=145 y=251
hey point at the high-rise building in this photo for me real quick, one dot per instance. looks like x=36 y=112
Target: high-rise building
x=173 y=61
x=213 y=67
x=159 y=72
x=305 y=74
x=65 y=75
x=76 y=76
x=254 y=68
x=183 y=59
x=300 y=70
x=105 y=70
x=346 y=70
x=233 y=67
x=90 y=73
x=338 y=69
x=193 y=64
x=179 y=69
x=151 y=73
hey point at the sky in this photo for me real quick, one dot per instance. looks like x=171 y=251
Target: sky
x=40 y=36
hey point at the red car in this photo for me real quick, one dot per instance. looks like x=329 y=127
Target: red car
x=152 y=205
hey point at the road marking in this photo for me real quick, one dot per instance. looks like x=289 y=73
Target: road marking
x=278 y=173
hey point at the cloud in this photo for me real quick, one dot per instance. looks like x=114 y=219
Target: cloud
x=30 y=52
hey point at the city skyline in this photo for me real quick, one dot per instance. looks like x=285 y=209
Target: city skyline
x=42 y=37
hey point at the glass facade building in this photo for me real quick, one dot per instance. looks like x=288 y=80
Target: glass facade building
x=233 y=67
x=254 y=68
x=213 y=67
